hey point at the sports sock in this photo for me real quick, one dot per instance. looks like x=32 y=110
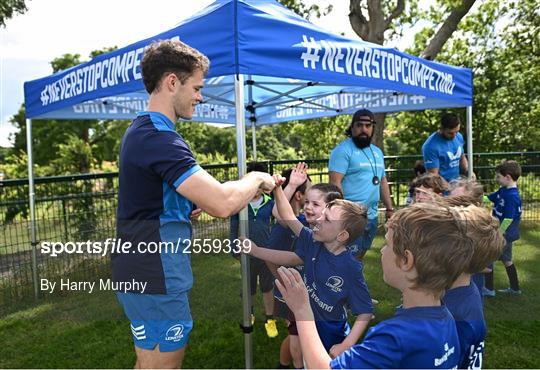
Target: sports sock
x=512 y=276
x=489 y=280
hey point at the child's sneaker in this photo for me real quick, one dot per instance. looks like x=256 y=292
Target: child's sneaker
x=487 y=292
x=510 y=291
x=271 y=328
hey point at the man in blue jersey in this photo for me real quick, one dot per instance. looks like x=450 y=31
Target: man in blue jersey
x=426 y=249
x=357 y=167
x=443 y=150
x=159 y=182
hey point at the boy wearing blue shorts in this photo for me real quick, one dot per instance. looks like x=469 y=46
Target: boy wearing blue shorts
x=507 y=208
x=426 y=249
x=259 y=221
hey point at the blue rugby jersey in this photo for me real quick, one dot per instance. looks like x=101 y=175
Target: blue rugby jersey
x=415 y=338
x=283 y=239
x=465 y=304
x=154 y=161
x=259 y=222
x=507 y=204
x=332 y=282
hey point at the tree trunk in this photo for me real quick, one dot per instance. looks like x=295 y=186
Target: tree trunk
x=372 y=30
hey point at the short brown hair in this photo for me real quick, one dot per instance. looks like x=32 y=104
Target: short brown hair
x=168 y=56
x=488 y=241
x=330 y=191
x=484 y=231
x=511 y=168
x=431 y=181
x=436 y=237
x=473 y=189
x=354 y=217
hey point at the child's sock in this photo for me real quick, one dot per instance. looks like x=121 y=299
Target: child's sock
x=512 y=276
x=269 y=317
x=489 y=280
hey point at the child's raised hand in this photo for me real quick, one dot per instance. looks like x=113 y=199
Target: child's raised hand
x=294 y=292
x=278 y=179
x=298 y=174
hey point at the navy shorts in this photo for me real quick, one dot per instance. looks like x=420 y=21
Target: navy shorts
x=506 y=255
x=158 y=319
x=258 y=268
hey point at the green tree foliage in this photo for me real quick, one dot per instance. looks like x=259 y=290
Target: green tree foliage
x=500 y=41
x=8 y=8
x=49 y=135
x=306 y=11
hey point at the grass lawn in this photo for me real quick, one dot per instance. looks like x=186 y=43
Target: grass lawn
x=81 y=330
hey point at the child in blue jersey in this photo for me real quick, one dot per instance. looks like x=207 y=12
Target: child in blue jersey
x=335 y=278
x=426 y=249
x=507 y=208
x=467 y=192
x=259 y=222
x=313 y=199
x=281 y=238
x=463 y=299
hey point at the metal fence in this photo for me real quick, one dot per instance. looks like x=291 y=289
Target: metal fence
x=83 y=207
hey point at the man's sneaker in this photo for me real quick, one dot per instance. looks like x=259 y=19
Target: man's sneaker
x=271 y=328
x=252 y=319
x=510 y=291
x=487 y=292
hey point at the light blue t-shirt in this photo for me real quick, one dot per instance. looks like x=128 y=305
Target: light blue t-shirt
x=443 y=154
x=358 y=167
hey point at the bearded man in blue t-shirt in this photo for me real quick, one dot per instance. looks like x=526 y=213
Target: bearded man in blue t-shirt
x=357 y=167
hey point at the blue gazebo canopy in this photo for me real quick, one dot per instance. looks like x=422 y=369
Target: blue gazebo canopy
x=293 y=70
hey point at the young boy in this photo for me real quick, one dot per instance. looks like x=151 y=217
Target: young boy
x=419 y=169
x=507 y=208
x=281 y=238
x=463 y=299
x=260 y=214
x=427 y=187
x=465 y=192
x=427 y=248
x=331 y=272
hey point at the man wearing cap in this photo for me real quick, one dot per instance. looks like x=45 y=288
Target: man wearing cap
x=357 y=167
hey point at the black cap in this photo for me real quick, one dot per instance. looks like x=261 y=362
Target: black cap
x=362 y=113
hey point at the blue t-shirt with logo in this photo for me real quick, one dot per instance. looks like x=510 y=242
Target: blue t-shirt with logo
x=465 y=304
x=283 y=239
x=154 y=161
x=415 y=338
x=443 y=154
x=359 y=166
x=332 y=281
x=508 y=205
